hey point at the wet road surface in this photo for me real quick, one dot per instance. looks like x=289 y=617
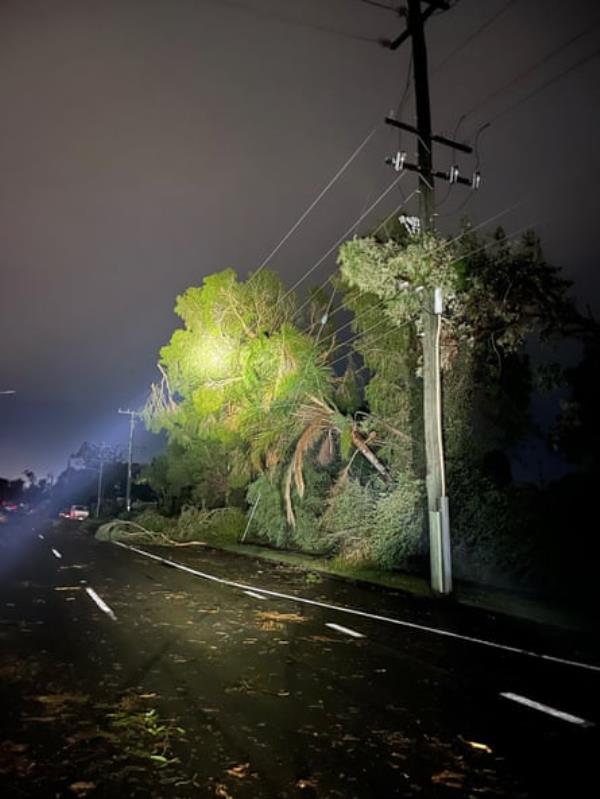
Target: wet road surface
x=122 y=676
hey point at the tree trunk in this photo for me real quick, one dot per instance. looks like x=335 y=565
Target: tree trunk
x=364 y=450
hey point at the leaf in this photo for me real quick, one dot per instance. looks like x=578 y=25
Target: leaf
x=240 y=771
x=451 y=779
x=480 y=747
x=304 y=783
x=82 y=788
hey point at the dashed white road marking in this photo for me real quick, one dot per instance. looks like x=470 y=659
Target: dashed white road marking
x=363 y=614
x=101 y=603
x=56 y=553
x=40 y=536
x=551 y=711
x=254 y=595
x=345 y=630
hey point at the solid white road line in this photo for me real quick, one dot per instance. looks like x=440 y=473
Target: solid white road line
x=361 y=613
x=345 y=630
x=551 y=711
x=101 y=603
x=56 y=553
x=254 y=595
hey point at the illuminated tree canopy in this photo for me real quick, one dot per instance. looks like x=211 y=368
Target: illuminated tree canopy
x=236 y=371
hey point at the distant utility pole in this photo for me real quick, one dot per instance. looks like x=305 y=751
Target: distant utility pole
x=132 y=417
x=99 y=491
x=437 y=499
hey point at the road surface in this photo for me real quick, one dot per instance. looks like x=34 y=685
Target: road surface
x=122 y=675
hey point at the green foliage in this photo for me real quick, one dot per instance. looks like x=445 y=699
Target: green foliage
x=248 y=396
x=399 y=524
x=140 y=732
x=399 y=273
x=347 y=391
x=375 y=524
x=269 y=522
x=217 y=526
x=348 y=521
x=232 y=378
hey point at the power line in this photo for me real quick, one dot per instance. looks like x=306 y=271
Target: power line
x=525 y=73
x=294 y=404
x=473 y=36
x=381 y=302
x=547 y=83
x=405 y=201
x=319 y=197
x=257 y=12
x=384 y=7
x=469 y=197
x=443 y=245
x=343 y=236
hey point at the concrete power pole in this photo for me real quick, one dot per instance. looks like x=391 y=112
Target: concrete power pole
x=132 y=417
x=437 y=499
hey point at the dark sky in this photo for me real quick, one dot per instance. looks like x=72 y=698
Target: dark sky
x=147 y=143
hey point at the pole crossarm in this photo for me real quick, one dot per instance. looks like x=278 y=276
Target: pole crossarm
x=452 y=176
x=455 y=145
x=432 y=7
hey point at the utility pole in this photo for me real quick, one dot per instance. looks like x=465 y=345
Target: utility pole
x=132 y=417
x=100 y=474
x=431 y=318
x=437 y=501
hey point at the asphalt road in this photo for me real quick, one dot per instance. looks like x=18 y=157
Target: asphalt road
x=124 y=676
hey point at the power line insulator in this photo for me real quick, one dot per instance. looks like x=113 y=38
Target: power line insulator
x=398 y=160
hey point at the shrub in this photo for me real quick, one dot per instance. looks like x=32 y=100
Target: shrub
x=377 y=524
x=398 y=532
x=347 y=521
x=269 y=521
x=219 y=526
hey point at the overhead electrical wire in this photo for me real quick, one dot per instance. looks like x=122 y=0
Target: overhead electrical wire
x=382 y=6
x=380 y=303
x=443 y=245
x=317 y=199
x=344 y=235
x=547 y=83
x=295 y=403
x=473 y=36
x=404 y=202
x=298 y=23
x=354 y=226
x=525 y=73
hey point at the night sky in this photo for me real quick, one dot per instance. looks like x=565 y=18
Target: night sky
x=147 y=143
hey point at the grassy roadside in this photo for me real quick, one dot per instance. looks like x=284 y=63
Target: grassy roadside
x=489 y=598
x=492 y=599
